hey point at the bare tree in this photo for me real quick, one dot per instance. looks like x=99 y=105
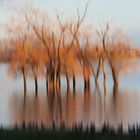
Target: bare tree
x=103 y=35
x=19 y=60
x=38 y=22
x=74 y=44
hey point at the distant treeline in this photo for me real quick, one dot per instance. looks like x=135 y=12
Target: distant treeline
x=77 y=133
x=80 y=128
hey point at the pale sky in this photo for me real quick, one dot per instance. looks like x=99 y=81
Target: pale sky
x=121 y=13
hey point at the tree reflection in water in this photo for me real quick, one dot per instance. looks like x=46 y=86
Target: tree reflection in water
x=115 y=109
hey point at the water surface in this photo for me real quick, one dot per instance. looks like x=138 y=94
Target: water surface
x=90 y=107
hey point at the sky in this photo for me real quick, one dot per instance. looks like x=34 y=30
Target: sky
x=123 y=14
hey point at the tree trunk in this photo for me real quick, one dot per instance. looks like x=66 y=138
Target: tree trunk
x=86 y=84
x=58 y=84
x=53 y=81
x=116 y=84
x=104 y=75
x=58 y=81
x=46 y=85
x=50 y=86
x=51 y=78
x=86 y=77
x=68 y=83
x=24 y=82
x=114 y=74
x=36 y=86
x=74 y=84
x=97 y=74
x=115 y=89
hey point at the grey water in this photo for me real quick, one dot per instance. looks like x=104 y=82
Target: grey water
x=86 y=108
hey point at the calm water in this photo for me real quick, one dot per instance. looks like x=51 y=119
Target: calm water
x=90 y=107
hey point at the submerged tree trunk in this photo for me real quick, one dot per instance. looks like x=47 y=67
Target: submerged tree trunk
x=74 y=84
x=98 y=71
x=116 y=83
x=58 y=81
x=36 y=86
x=50 y=86
x=115 y=78
x=46 y=85
x=86 y=84
x=24 y=82
x=86 y=77
x=68 y=83
x=51 y=81
x=115 y=89
x=58 y=84
x=114 y=74
x=35 y=81
x=104 y=75
x=47 y=78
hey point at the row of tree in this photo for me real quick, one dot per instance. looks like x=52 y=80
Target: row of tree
x=37 y=45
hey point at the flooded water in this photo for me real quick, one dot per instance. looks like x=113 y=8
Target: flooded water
x=90 y=107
